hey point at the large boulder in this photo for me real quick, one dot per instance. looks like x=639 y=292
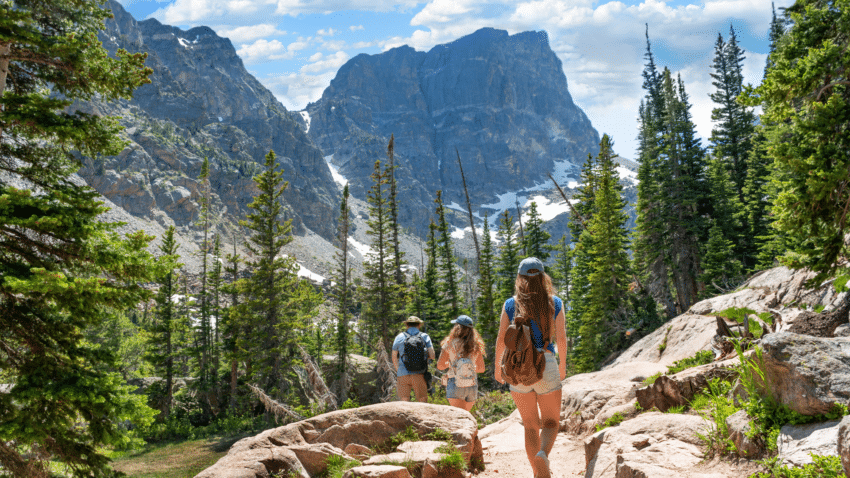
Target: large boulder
x=656 y=445
x=682 y=337
x=796 y=443
x=844 y=444
x=808 y=374
x=363 y=374
x=589 y=399
x=304 y=446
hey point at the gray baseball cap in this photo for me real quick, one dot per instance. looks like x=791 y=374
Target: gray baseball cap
x=463 y=320
x=528 y=264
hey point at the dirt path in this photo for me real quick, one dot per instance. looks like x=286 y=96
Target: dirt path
x=504 y=453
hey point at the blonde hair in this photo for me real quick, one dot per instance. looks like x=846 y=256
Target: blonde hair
x=534 y=300
x=469 y=338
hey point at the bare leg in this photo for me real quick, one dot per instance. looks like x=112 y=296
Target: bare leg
x=526 y=403
x=461 y=403
x=550 y=413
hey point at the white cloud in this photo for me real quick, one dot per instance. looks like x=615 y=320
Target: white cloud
x=354 y=28
x=330 y=63
x=246 y=34
x=299 y=7
x=196 y=12
x=326 y=33
x=262 y=51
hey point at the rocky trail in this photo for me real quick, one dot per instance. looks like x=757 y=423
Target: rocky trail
x=612 y=424
x=504 y=452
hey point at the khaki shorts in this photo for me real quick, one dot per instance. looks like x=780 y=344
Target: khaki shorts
x=550 y=382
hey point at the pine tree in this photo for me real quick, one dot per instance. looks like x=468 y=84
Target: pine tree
x=162 y=346
x=392 y=203
x=604 y=319
x=536 y=238
x=731 y=136
x=203 y=331
x=563 y=268
x=215 y=283
x=378 y=290
x=342 y=295
x=63 y=269
x=232 y=321
x=430 y=281
x=805 y=118
x=506 y=268
x=488 y=314
x=449 y=287
x=727 y=215
x=271 y=286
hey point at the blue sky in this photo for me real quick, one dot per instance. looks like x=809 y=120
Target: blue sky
x=294 y=47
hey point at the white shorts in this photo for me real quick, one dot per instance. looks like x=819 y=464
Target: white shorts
x=550 y=382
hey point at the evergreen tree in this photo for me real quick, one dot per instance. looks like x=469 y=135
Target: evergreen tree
x=563 y=268
x=449 y=287
x=731 y=136
x=378 y=290
x=63 y=269
x=271 y=287
x=536 y=238
x=392 y=202
x=162 y=346
x=215 y=283
x=778 y=24
x=203 y=343
x=727 y=215
x=232 y=321
x=604 y=320
x=805 y=118
x=342 y=294
x=506 y=268
x=430 y=282
x=488 y=313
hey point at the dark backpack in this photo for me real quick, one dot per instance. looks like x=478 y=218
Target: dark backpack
x=414 y=356
x=522 y=363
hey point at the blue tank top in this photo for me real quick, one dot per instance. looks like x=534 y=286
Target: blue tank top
x=536 y=334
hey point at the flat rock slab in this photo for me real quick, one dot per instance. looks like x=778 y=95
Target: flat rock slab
x=377 y=471
x=796 y=442
x=688 y=333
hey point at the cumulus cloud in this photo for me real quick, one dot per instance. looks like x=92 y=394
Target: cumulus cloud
x=246 y=34
x=300 y=7
x=326 y=32
x=354 y=28
x=263 y=50
x=195 y=12
x=319 y=63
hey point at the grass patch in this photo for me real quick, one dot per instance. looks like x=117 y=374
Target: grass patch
x=822 y=467
x=677 y=409
x=337 y=466
x=452 y=458
x=702 y=357
x=612 y=421
x=174 y=460
x=651 y=379
x=663 y=345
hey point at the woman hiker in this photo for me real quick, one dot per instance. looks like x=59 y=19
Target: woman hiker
x=535 y=299
x=463 y=354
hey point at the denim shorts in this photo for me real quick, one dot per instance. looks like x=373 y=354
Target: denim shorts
x=469 y=394
x=550 y=382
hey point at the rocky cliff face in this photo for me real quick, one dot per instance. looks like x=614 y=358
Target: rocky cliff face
x=499 y=100
x=203 y=103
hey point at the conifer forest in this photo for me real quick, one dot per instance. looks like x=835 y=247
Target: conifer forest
x=85 y=310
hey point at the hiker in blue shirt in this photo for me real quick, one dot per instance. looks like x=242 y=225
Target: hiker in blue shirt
x=412 y=350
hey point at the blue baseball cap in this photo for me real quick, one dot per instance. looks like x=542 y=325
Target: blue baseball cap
x=528 y=264
x=463 y=320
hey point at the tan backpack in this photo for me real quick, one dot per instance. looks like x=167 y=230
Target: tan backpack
x=522 y=363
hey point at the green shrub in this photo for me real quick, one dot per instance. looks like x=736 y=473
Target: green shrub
x=612 y=421
x=492 y=407
x=699 y=402
x=822 y=467
x=337 y=466
x=663 y=345
x=452 y=458
x=717 y=410
x=676 y=409
x=651 y=379
x=439 y=435
x=700 y=358
x=349 y=404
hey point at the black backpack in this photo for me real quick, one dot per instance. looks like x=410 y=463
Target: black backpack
x=413 y=354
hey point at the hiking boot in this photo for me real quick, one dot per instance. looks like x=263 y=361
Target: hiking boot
x=541 y=465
